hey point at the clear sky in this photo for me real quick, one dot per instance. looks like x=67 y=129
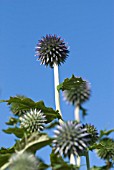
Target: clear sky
x=87 y=26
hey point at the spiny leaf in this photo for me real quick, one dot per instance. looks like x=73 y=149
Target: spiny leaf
x=95 y=146
x=19 y=105
x=12 y=121
x=18 y=132
x=5 y=154
x=69 y=83
x=104 y=133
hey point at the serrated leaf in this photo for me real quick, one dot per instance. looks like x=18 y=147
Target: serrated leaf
x=5 y=154
x=69 y=83
x=95 y=146
x=12 y=121
x=104 y=133
x=33 y=143
x=19 y=105
x=49 y=112
x=18 y=132
x=105 y=167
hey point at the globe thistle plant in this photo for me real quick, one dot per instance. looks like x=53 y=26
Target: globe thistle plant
x=33 y=121
x=78 y=92
x=53 y=51
x=71 y=138
x=106 y=152
x=24 y=161
x=93 y=133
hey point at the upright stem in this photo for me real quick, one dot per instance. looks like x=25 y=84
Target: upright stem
x=87 y=161
x=77 y=118
x=72 y=159
x=76 y=112
x=78 y=161
x=57 y=95
x=5 y=166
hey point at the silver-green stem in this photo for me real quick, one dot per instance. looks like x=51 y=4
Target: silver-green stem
x=87 y=161
x=57 y=95
x=5 y=166
x=78 y=161
x=76 y=112
x=77 y=118
x=72 y=159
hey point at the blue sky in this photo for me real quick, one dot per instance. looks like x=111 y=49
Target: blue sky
x=87 y=26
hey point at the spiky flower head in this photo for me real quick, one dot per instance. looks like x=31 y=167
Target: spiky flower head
x=33 y=121
x=51 y=50
x=70 y=138
x=93 y=133
x=106 y=151
x=25 y=161
x=78 y=91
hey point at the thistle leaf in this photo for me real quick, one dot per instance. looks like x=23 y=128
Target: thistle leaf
x=18 y=132
x=5 y=154
x=19 y=105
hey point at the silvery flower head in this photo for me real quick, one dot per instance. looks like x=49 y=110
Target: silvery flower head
x=33 y=121
x=51 y=50
x=78 y=92
x=70 y=138
x=23 y=161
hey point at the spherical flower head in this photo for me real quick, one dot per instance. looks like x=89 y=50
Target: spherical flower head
x=24 y=161
x=33 y=121
x=79 y=91
x=93 y=133
x=70 y=138
x=106 y=151
x=51 y=50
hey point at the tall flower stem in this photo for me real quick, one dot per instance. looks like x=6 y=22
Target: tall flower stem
x=57 y=95
x=76 y=112
x=77 y=118
x=87 y=161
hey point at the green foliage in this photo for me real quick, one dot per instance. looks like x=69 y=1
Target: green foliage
x=70 y=83
x=104 y=133
x=5 y=155
x=53 y=51
x=19 y=105
x=18 y=132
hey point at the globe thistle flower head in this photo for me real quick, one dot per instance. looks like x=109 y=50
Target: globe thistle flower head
x=33 y=121
x=24 y=161
x=93 y=133
x=79 y=91
x=70 y=138
x=51 y=50
x=106 y=151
